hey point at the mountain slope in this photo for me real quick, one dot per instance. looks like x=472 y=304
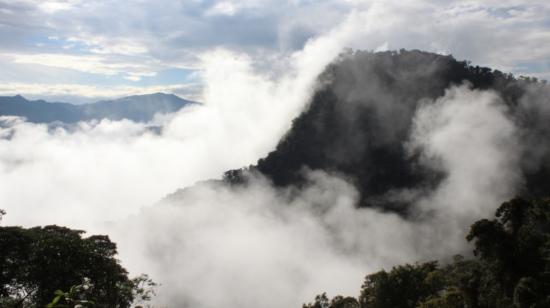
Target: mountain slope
x=39 y=111
x=360 y=119
x=139 y=108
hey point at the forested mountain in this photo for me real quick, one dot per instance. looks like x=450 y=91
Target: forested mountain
x=358 y=125
x=360 y=118
x=139 y=108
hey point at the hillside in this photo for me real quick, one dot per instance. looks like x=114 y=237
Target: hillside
x=359 y=122
x=139 y=108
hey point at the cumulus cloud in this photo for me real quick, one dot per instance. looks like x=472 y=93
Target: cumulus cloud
x=144 y=38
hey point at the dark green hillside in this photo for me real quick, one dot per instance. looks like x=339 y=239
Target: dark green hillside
x=360 y=119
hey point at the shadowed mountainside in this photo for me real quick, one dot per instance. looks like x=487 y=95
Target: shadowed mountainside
x=360 y=119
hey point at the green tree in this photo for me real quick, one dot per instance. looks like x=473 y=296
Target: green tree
x=38 y=262
x=513 y=248
x=403 y=287
x=450 y=298
x=511 y=269
x=322 y=301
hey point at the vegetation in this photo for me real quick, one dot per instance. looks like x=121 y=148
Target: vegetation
x=56 y=266
x=361 y=116
x=511 y=268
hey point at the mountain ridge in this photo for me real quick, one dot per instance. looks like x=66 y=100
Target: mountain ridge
x=138 y=108
x=359 y=120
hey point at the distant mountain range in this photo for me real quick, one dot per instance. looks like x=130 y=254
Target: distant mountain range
x=138 y=108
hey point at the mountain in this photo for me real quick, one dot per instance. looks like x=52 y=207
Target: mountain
x=359 y=125
x=361 y=116
x=139 y=108
x=39 y=111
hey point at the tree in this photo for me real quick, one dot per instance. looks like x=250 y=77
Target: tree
x=511 y=269
x=513 y=247
x=38 y=262
x=322 y=301
x=404 y=286
x=451 y=298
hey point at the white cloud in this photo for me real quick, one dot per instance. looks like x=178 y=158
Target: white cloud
x=89 y=64
x=116 y=46
x=54 y=6
x=243 y=110
x=287 y=245
x=95 y=64
x=150 y=36
x=468 y=136
x=223 y=8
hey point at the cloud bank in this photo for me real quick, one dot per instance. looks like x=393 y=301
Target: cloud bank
x=256 y=245
x=125 y=166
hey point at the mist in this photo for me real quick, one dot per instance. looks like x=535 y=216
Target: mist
x=259 y=245
x=123 y=165
x=100 y=171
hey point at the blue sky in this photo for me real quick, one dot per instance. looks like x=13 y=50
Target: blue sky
x=84 y=50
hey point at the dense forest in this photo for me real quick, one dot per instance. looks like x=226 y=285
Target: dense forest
x=511 y=268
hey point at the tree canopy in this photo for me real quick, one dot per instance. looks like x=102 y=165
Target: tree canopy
x=36 y=263
x=511 y=269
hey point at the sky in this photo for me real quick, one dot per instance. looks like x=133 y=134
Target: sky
x=81 y=51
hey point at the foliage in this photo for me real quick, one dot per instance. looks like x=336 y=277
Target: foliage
x=511 y=268
x=143 y=288
x=513 y=248
x=404 y=286
x=36 y=264
x=76 y=296
x=322 y=301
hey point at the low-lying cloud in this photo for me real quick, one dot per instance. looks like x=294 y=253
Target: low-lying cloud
x=257 y=245
x=106 y=170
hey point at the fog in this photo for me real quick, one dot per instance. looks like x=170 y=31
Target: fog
x=107 y=170
x=256 y=245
